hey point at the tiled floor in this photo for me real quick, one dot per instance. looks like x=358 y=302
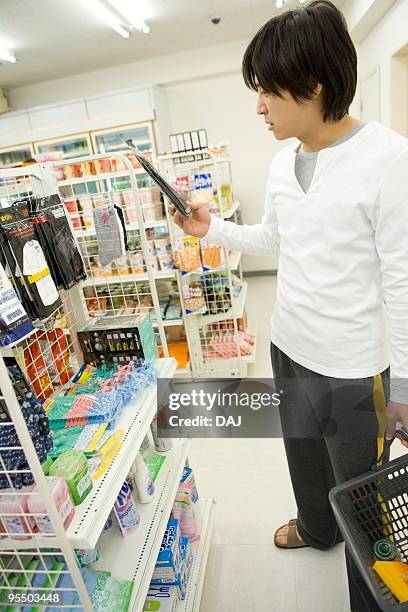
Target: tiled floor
x=250 y=481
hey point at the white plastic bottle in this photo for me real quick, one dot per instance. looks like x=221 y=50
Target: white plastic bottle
x=143 y=481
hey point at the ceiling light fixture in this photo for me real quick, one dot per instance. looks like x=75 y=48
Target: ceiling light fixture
x=7 y=56
x=108 y=16
x=132 y=11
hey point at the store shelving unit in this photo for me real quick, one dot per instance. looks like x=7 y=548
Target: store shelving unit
x=134 y=557
x=126 y=278
x=135 y=419
x=217 y=342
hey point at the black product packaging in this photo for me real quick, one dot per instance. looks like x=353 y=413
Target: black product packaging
x=54 y=233
x=30 y=260
x=9 y=264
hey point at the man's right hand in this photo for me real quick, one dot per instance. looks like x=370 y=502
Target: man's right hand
x=198 y=223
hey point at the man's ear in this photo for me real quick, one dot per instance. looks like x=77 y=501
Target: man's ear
x=317 y=90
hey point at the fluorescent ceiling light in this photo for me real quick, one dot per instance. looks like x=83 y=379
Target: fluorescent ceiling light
x=132 y=12
x=7 y=56
x=108 y=16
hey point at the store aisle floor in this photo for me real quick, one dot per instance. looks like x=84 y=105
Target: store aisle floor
x=250 y=481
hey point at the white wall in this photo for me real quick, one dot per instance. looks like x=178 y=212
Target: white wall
x=377 y=49
x=227 y=109
x=193 y=64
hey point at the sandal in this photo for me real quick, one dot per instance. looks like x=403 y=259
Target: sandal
x=293 y=540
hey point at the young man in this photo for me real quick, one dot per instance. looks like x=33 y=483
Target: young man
x=337 y=210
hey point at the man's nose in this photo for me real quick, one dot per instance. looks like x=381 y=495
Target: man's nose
x=260 y=107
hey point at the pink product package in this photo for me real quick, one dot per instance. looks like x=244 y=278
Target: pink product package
x=185 y=511
x=149 y=196
x=153 y=213
x=13 y=506
x=63 y=502
x=130 y=206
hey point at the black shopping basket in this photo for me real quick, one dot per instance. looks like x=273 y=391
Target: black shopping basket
x=369 y=508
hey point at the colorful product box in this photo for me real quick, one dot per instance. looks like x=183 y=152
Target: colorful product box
x=186 y=559
x=168 y=561
x=187 y=481
x=103 y=340
x=201 y=181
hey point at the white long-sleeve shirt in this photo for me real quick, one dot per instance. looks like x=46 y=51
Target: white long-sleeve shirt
x=343 y=253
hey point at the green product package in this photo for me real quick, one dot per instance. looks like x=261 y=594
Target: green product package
x=64 y=439
x=153 y=461
x=112 y=596
x=46 y=465
x=73 y=467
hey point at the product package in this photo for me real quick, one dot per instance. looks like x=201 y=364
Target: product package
x=55 y=236
x=186 y=563
x=87 y=557
x=168 y=561
x=164 y=253
x=132 y=336
x=109 y=234
x=38 y=426
x=63 y=503
x=73 y=467
x=201 y=187
x=161 y=598
x=18 y=230
x=186 y=506
x=15 y=324
x=126 y=511
x=153 y=461
x=12 y=511
x=194 y=299
x=186 y=255
x=212 y=256
x=143 y=480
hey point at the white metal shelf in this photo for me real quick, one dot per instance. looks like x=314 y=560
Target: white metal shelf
x=134 y=557
x=169 y=323
x=94 y=178
x=183 y=372
x=196 y=582
x=91 y=515
x=235 y=312
x=95 y=281
x=79 y=233
x=231 y=211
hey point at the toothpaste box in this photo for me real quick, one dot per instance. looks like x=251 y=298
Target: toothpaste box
x=186 y=558
x=161 y=598
x=168 y=561
x=180 y=581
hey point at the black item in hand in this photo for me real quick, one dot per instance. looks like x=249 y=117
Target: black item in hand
x=162 y=184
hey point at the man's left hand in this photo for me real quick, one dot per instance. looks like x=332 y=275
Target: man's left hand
x=396 y=413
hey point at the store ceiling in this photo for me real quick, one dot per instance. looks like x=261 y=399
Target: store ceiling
x=57 y=38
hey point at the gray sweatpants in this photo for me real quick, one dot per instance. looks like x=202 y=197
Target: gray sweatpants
x=333 y=430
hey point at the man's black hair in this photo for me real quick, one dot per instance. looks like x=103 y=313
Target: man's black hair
x=297 y=50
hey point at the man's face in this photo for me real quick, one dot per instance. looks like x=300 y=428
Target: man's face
x=285 y=117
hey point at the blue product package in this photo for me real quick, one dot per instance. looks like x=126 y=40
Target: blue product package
x=169 y=550
x=14 y=321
